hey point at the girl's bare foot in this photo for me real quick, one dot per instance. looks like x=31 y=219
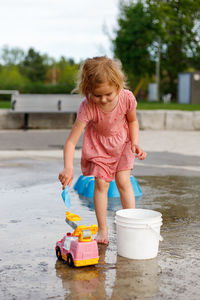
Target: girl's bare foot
x=102 y=237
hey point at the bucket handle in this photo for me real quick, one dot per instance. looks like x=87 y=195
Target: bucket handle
x=158 y=235
x=150 y=227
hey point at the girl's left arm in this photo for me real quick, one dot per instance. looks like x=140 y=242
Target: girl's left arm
x=134 y=134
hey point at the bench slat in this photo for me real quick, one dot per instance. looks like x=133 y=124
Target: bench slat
x=38 y=103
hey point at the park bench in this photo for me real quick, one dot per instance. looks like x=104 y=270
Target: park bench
x=44 y=103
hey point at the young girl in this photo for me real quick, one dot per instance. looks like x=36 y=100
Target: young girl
x=108 y=115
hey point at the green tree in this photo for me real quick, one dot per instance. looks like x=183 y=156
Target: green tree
x=34 y=66
x=11 y=56
x=172 y=26
x=178 y=22
x=68 y=72
x=11 y=78
x=134 y=39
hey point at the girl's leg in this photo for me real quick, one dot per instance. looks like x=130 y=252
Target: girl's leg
x=125 y=188
x=100 y=205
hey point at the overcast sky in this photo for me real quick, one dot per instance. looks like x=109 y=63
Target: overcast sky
x=72 y=28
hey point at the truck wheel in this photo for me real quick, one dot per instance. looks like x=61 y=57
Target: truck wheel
x=58 y=253
x=70 y=260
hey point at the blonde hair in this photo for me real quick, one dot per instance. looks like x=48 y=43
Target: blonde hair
x=98 y=70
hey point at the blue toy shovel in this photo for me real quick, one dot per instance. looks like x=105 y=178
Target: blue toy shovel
x=66 y=198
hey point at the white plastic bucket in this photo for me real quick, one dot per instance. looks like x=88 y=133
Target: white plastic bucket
x=138 y=233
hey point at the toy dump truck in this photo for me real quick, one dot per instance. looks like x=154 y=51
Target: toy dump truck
x=78 y=248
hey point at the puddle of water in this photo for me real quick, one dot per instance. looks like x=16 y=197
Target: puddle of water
x=32 y=221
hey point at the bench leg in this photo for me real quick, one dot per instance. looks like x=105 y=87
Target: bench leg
x=26 y=121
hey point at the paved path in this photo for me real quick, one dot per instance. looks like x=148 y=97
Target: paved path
x=169 y=152
x=183 y=142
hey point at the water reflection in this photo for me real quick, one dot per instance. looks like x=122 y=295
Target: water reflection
x=114 y=203
x=177 y=198
x=129 y=278
x=81 y=283
x=136 y=278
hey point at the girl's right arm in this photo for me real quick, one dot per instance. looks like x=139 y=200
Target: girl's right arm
x=66 y=175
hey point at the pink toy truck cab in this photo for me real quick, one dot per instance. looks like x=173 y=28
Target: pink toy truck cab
x=77 y=253
x=78 y=248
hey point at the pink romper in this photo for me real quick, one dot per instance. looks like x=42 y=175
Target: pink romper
x=106 y=143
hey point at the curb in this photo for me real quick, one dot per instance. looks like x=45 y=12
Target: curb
x=168 y=120
x=148 y=120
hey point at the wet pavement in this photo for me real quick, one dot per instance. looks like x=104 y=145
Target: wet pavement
x=32 y=220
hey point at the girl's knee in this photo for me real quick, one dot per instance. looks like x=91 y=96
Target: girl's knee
x=101 y=184
x=123 y=182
